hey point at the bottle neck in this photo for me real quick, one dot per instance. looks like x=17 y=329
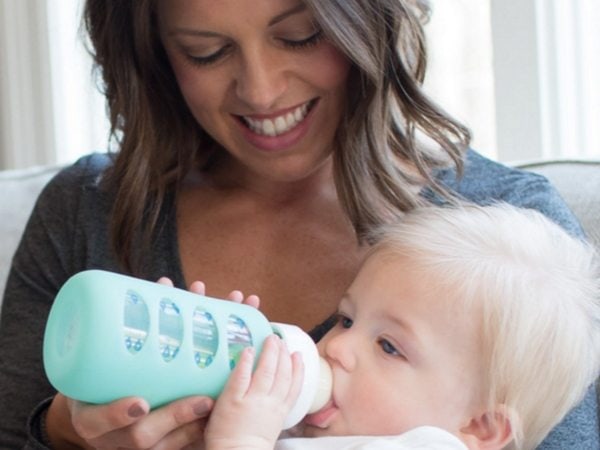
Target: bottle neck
x=316 y=385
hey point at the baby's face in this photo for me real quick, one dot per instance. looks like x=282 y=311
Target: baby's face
x=402 y=355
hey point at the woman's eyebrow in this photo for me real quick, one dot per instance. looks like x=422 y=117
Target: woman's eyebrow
x=300 y=7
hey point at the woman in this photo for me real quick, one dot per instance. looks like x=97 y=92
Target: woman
x=258 y=143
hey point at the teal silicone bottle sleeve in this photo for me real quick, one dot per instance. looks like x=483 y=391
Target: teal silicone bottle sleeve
x=110 y=336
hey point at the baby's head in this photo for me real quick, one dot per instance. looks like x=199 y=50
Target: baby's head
x=484 y=321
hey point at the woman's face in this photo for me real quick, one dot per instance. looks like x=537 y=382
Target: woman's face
x=260 y=78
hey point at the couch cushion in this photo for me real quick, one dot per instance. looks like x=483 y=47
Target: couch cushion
x=18 y=190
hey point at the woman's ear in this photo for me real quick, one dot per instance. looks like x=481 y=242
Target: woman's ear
x=490 y=430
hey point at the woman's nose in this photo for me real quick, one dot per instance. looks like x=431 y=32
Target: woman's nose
x=261 y=81
x=340 y=348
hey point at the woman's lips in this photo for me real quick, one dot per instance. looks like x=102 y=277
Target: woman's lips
x=281 y=141
x=322 y=418
x=280 y=123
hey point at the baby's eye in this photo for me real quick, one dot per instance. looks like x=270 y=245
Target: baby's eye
x=388 y=347
x=344 y=321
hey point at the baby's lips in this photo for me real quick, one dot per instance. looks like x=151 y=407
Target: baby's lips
x=322 y=417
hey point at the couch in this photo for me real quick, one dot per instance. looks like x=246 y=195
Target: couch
x=577 y=181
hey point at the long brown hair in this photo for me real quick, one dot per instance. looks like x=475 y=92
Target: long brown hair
x=385 y=41
x=159 y=140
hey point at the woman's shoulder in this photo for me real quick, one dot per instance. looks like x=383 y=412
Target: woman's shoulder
x=76 y=192
x=485 y=181
x=86 y=171
x=83 y=175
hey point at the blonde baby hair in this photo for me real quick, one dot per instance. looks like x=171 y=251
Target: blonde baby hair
x=538 y=292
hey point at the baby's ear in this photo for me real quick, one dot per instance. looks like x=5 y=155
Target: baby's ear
x=490 y=430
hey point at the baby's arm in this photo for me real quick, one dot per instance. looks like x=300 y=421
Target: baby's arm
x=250 y=412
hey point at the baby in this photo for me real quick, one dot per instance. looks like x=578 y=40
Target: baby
x=467 y=328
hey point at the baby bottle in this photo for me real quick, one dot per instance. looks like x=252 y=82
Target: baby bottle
x=110 y=336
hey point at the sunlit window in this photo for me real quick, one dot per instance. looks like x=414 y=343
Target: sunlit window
x=460 y=74
x=521 y=74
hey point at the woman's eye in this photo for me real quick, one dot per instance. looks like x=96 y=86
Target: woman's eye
x=209 y=59
x=311 y=40
x=388 y=348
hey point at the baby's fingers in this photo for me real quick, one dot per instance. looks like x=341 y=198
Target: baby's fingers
x=271 y=366
x=297 y=378
x=283 y=373
x=241 y=375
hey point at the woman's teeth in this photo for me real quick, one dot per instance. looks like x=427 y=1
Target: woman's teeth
x=278 y=125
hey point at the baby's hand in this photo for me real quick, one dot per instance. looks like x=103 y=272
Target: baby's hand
x=251 y=410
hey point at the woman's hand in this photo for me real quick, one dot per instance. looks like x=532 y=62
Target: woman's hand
x=251 y=410
x=127 y=423
x=198 y=287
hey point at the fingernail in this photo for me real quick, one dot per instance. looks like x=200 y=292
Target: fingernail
x=136 y=410
x=201 y=408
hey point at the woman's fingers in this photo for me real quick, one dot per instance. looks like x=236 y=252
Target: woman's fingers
x=187 y=437
x=171 y=423
x=238 y=297
x=127 y=423
x=93 y=421
x=198 y=287
x=165 y=281
x=252 y=300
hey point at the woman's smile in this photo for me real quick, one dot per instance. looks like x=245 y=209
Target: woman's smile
x=278 y=131
x=278 y=123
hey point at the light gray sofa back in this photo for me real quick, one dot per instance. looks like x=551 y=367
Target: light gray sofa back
x=18 y=192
